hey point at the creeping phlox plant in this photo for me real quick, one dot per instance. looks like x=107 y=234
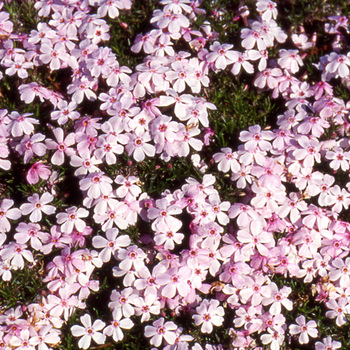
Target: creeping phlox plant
x=204 y=265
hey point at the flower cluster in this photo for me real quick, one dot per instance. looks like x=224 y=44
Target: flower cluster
x=202 y=258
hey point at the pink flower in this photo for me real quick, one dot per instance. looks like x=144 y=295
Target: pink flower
x=275 y=337
x=301 y=41
x=46 y=336
x=72 y=219
x=56 y=55
x=36 y=172
x=21 y=124
x=138 y=145
x=166 y=233
x=226 y=160
x=61 y=147
x=338 y=310
x=221 y=55
x=30 y=146
x=37 y=205
x=96 y=184
x=278 y=298
x=31 y=232
x=7 y=213
x=88 y=332
x=128 y=186
x=256 y=137
x=19 y=66
x=14 y=254
x=23 y=340
x=114 y=329
x=268 y=9
x=63 y=303
x=304 y=329
x=209 y=313
x=66 y=111
x=160 y=331
x=289 y=59
x=81 y=88
x=111 y=245
x=268 y=77
x=327 y=344
x=173 y=22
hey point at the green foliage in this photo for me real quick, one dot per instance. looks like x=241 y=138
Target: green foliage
x=23 y=14
x=238 y=106
x=25 y=287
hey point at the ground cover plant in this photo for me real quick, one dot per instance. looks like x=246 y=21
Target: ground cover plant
x=174 y=175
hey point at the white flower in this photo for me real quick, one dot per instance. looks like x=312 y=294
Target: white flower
x=96 y=185
x=304 y=329
x=209 y=313
x=71 y=219
x=7 y=213
x=159 y=330
x=114 y=329
x=38 y=205
x=89 y=332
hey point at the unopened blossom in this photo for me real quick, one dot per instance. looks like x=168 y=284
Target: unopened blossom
x=304 y=329
x=89 y=332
